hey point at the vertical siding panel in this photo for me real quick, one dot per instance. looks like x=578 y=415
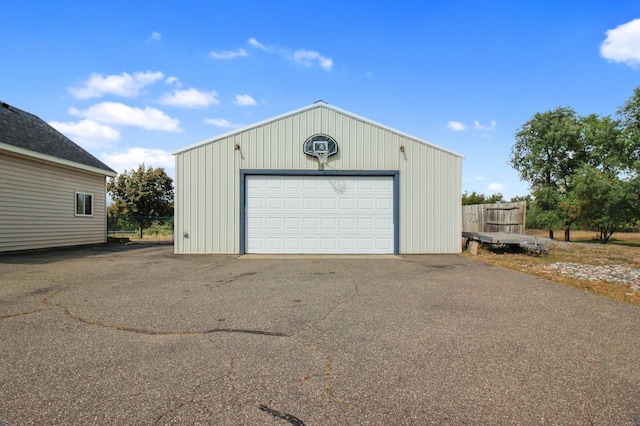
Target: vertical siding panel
x=437 y=206
x=295 y=146
x=207 y=177
x=195 y=182
x=202 y=196
x=227 y=207
x=185 y=198
x=177 y=242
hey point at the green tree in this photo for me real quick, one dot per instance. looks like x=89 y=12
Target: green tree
x=601 y=137
x=144 y=192
x=548 y=150
x=477 y=198
x=606 y=203
x=629 y=113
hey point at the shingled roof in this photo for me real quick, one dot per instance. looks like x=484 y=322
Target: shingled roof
x=25 y=130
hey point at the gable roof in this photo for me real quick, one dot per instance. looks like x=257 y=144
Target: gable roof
x=24 y=133
x=317 y=104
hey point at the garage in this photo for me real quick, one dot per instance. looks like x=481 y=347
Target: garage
x=317 y=180
x=329 y=214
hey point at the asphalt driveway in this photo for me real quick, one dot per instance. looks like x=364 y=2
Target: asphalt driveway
x=137 y=335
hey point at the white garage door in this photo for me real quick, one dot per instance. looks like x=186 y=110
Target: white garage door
x=319 y=214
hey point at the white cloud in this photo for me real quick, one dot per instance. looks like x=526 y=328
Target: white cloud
x=623 y=43
x=133 y=157
x=125 y=84
x=229 y=54
x=478 y=126
x=172 y=80
x=190 y=98
x=87 y=133
x=496 y=187
x=456 y=125
x=87 y=129
x=307 y=58
x=255 y=43
x=245 y=100
x=155 y=36
x=117 y=113
x=221 y=122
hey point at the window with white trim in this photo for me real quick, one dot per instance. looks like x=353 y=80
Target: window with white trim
x=84 y=204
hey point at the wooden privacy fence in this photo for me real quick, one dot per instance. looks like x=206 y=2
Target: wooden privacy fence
x=502 y=217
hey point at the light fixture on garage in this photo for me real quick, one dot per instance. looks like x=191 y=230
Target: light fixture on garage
x=237 y=147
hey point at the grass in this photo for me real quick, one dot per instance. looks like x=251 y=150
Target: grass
x=631 y=239
x=624 y=250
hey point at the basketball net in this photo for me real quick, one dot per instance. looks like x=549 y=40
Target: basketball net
x=322 y=156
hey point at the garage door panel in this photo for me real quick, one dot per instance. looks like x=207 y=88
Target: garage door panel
x=385 y=224
x=255 y=202
x=310 y=203
x=347 y=204
x=272 y=184
x=384 y=184
x=346 y=243
x=292 y=223
x=292 y=203
x=382 y=244
x=255 y=223
x=366 y=243
x=328 y=244
x=273 y=243
x=310 y=243
x=384 y=204
x=329 y=224
x=347 y=223
x=319 y=214
x=328 y=203
x=365 y=223
x=311 y=223
x=366 y=204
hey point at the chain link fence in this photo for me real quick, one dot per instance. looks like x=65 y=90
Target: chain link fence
x=140 y=227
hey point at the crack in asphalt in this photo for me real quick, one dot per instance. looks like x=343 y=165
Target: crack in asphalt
x=192 y=400
x=168 y=333
x=25 y=313
x=328 y=368
x=231 y=279
x=288 y=417
x=227 y=376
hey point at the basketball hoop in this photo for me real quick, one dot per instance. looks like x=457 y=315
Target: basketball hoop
x=320 y=146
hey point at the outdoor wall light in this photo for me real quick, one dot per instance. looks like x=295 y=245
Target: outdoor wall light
x=237 y=147
x=185 y=234
x=401 y=148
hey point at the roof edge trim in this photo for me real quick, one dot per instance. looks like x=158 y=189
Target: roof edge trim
x=317 y=104
x=51 y=159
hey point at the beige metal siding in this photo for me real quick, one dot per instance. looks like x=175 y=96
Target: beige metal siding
x=37 y=205
x=207 y=206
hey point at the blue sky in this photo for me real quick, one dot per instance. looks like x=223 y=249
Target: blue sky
x=131 y=81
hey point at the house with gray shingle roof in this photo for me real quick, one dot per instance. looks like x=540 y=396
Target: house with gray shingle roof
x=52 y=191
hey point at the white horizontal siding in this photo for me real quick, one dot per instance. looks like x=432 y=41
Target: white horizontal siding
x=37 y=205
x=208 y=187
